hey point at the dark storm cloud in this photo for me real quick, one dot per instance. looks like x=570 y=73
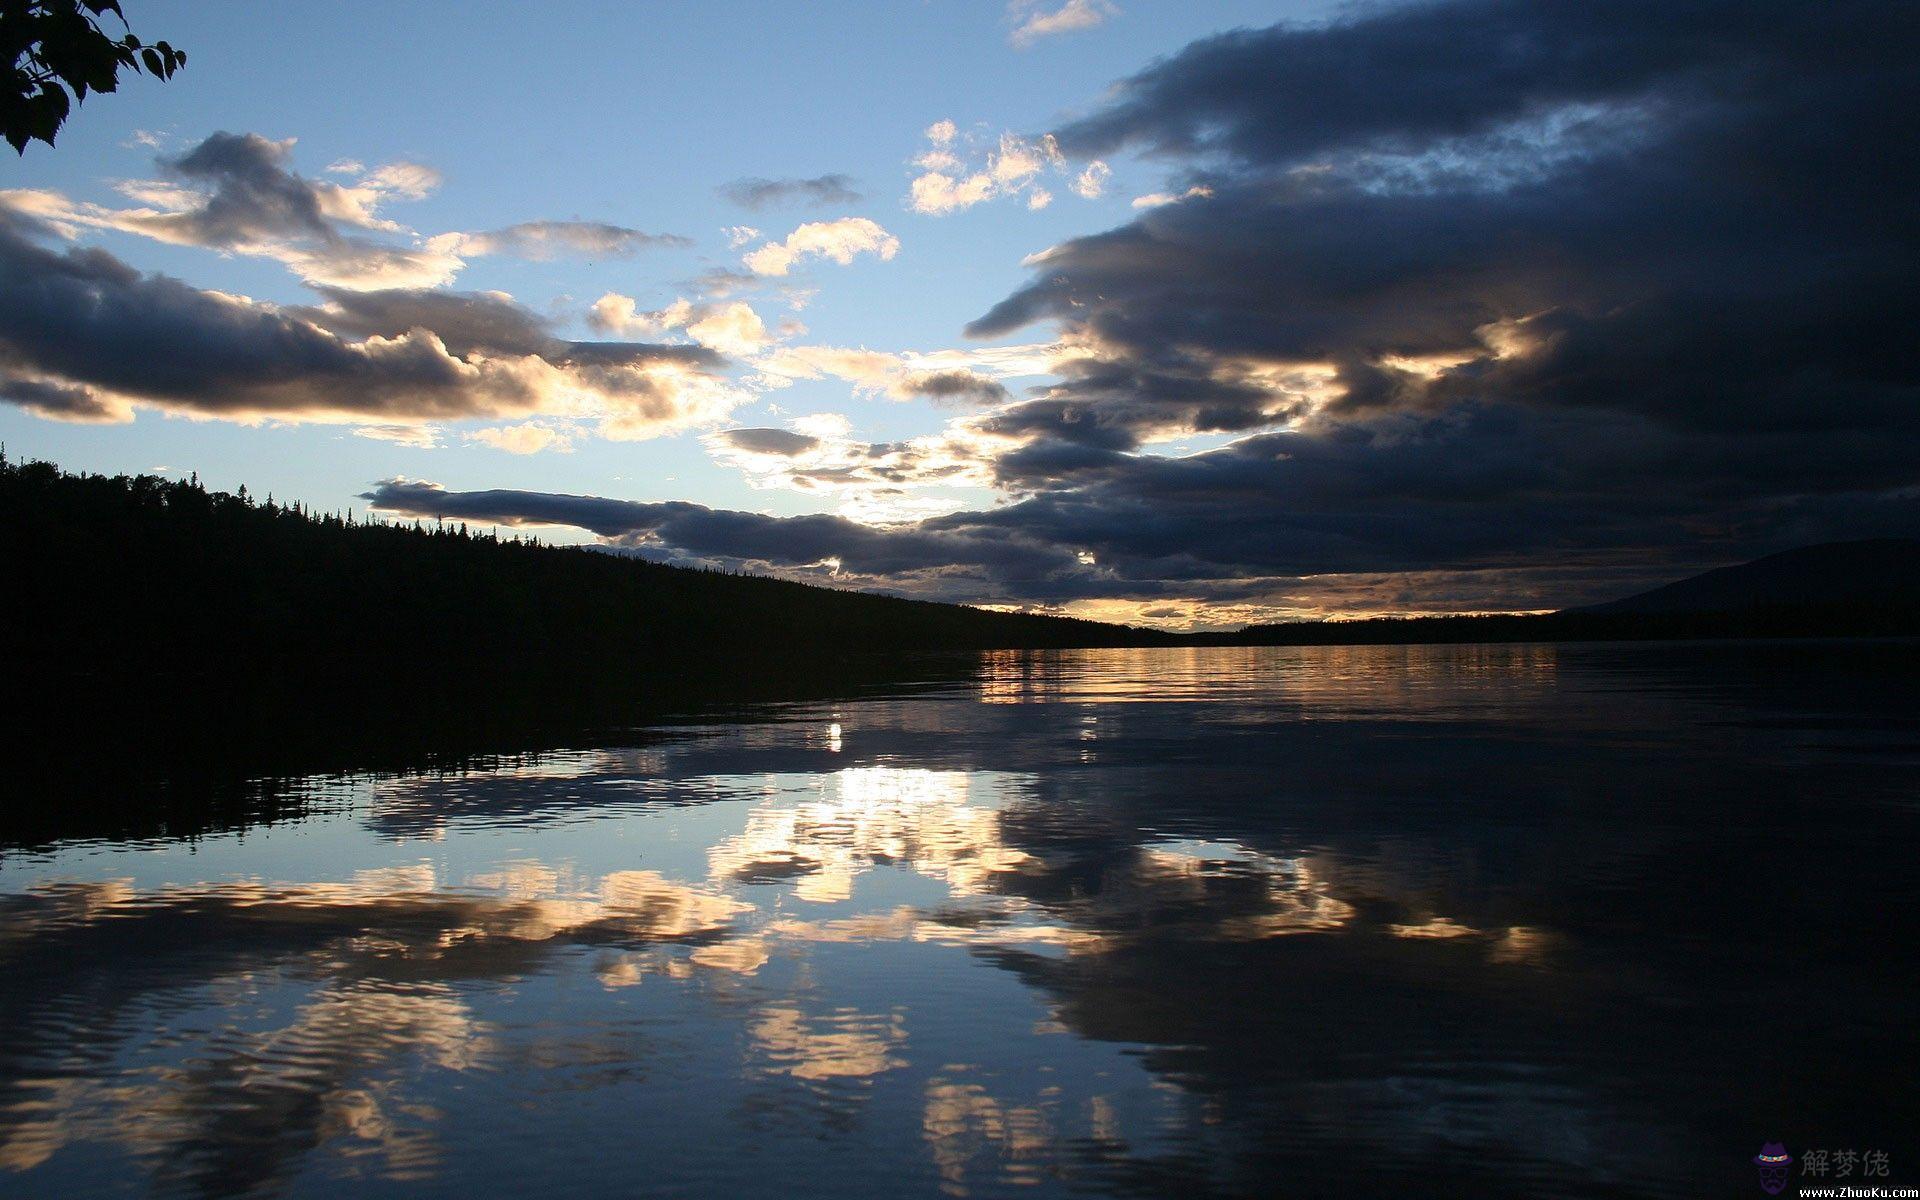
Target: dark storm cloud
x=465 y=321
x=782 y=442
x=542 y=240
x=237 y=191
x=1610 y=277
x=1116 y=403
x=483 y=322
x=766 y=193
x=90 y=319
x=955 y=387
x=1407 y=76
x=58 y=401
x=695 y=531
x=254 y=195
x=81 y=321
x=1542 y=500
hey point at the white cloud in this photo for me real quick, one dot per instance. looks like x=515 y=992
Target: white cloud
x=869 y=370
x=874 y=482
x=822 y=425
x=620 y=315
x=407 y=180
x=732 y=328
x=1090 y=183
x=912 y=374
x=739 y=235
x=936 y=193
x=839 y=241
x=1036 y=23
x=1159 y=199
x=420 y=437
x=526 y=438
x=358 y=203
x=1009 y=166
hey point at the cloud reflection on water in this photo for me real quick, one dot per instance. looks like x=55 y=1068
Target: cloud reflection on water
x=1242 y=943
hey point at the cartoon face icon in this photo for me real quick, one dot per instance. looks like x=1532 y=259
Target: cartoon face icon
x=1773 y=1161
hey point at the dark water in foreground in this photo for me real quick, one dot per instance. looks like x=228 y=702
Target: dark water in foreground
x=1487 y=921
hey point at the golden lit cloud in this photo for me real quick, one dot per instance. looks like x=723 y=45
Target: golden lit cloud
x=1009 y=166
x=1036 y=21
x=838 y=241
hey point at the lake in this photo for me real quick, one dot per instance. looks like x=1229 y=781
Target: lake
x=1489 y=921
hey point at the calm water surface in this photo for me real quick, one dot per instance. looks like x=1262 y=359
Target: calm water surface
x=1487 y=921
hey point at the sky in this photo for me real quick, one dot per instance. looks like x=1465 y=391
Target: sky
x=1181 y=314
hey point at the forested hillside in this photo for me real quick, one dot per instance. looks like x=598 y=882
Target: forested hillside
x=144 y=601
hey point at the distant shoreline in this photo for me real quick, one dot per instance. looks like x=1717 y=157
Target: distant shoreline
x=163 y=631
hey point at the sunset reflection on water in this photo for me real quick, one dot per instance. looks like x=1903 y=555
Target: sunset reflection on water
x=1126 y=921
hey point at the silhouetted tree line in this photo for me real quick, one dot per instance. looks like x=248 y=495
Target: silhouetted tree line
x=1892 y=616
x=156 y=628
x=173 y=599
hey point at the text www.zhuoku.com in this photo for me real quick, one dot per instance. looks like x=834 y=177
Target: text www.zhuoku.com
x=1860 y=1193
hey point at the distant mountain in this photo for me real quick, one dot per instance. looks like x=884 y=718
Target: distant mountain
x=1880 y=572
x=1841 y=589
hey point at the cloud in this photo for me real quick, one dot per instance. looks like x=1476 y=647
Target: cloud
x=84 y=336
x=1484 y=300
x=543 y=240
x=1036 y=22
x=58 y=401
x=758 y=193
x=732 y=328
x=682 y=531
x=236 y=193
x=1011 y=166
x=1161 y=199
x=871 y=370
x=969 y=387
x=1481 y=284
x=776 y=443
x=1471 y=299
x=883 y=483
x=419 y=437
x=525 y=438
x=971 y=376
x=841 y=241
x=1091 y=183
x=935 y=194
